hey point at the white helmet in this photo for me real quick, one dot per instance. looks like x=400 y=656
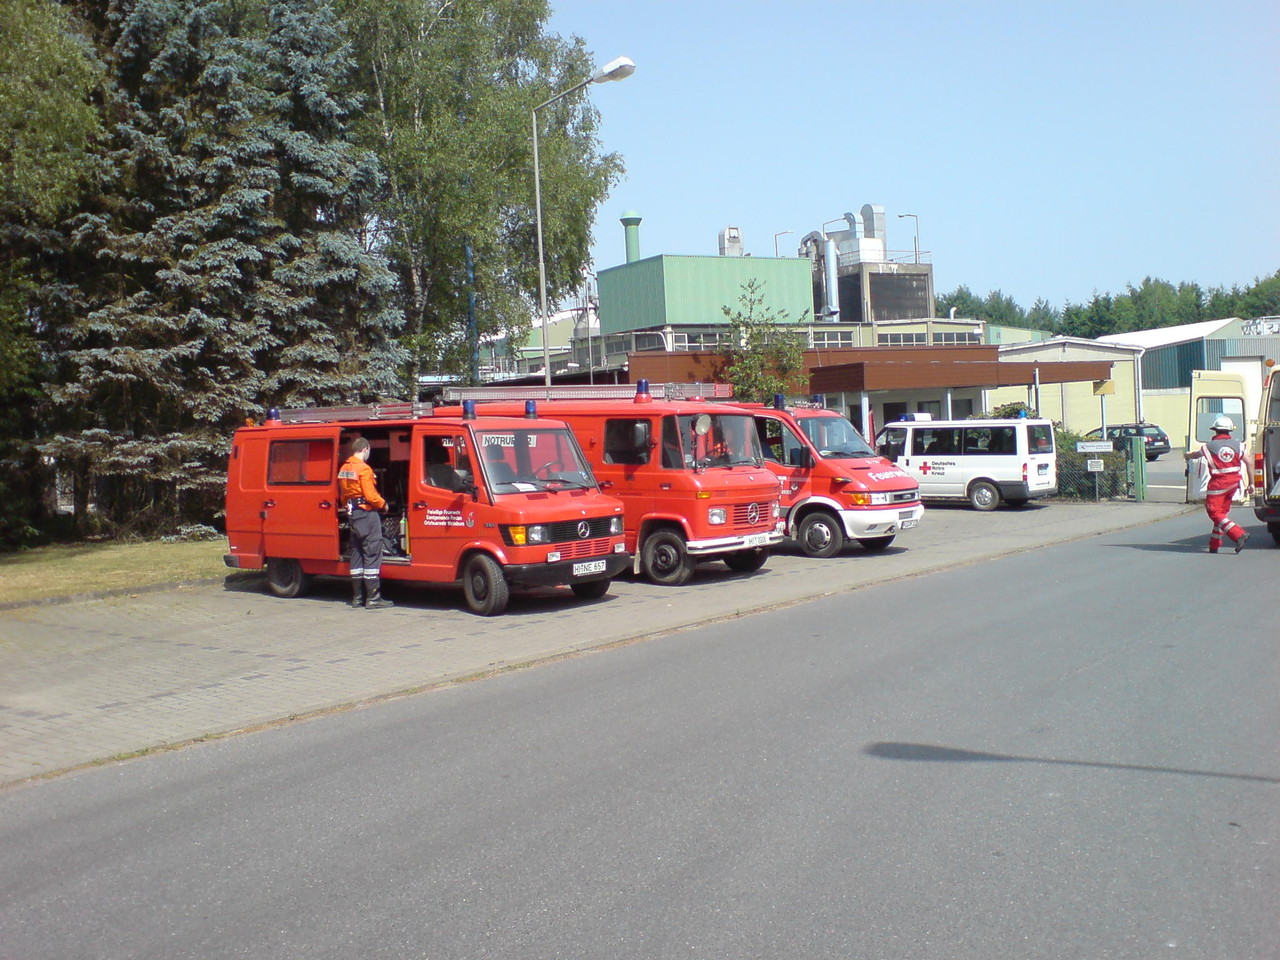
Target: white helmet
x=1224 y=423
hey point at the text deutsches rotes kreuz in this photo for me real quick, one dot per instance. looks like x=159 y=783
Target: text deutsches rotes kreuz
x=936 y=468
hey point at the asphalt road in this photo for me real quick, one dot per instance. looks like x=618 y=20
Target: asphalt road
x=1067 y=753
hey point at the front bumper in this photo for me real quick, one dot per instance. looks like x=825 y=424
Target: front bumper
x=880 y=521
x=763 y=538
x=561 y=572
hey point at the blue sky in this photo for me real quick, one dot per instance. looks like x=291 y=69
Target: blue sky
x=1048 y=149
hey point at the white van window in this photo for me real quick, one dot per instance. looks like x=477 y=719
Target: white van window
x=891 y=442
x=990 y=440
x=935 y=442
x=1041 y=438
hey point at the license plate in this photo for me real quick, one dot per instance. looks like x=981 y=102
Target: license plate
x=1043 y=468
x=908 y=524
x=755 y=540
x=593 y=566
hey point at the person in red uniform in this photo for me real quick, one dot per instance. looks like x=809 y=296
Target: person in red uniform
x=1228 y=472
x=358 y=491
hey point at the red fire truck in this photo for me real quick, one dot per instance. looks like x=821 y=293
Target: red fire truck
x=835 y=488
x=690 y=472
x=493 y=502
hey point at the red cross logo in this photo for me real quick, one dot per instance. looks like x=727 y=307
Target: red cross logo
x=924 y=467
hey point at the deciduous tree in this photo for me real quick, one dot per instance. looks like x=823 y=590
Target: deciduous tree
x=764 y=354
x=450 y=86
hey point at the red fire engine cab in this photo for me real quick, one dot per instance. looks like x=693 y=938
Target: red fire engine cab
x=495 y=502
x=690 y=473
x=835 y=488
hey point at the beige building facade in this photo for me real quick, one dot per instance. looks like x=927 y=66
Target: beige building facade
x=1079 y=406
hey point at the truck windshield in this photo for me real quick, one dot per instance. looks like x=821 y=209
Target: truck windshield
x=835 y=437
x=524 y=461
x=717 y=440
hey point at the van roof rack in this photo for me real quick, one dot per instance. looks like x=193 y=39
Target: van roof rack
x=590 y=391
x=364 y=411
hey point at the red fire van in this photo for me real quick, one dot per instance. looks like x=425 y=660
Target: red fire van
x=493 y=502
x=835 y=488
x=689 y=472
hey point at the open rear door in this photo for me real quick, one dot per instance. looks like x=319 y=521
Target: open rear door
x=1213 y=393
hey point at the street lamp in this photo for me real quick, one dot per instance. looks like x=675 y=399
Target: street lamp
x=618 y=69
x=775 y=240
x=917 y=220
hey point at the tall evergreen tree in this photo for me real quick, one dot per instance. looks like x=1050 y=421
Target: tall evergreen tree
x=223 y=270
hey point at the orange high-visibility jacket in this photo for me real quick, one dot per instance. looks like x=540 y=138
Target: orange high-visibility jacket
x=355 y=479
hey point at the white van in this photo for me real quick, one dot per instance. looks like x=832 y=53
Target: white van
x=982 y=461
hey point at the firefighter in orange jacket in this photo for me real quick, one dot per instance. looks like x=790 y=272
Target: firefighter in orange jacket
x=360 y=498
x=1228 y=472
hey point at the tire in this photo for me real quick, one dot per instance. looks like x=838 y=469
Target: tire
x=983 y=495
x=875 y=544
x=591 y=589
x=286 y=579
x=746 y=561
x=665 y=559
x=1274 y=530
x=820 y=535
x=485 y=585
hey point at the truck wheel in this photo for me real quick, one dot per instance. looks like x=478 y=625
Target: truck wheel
x=286 y=579
x=983 y=495
x=485 y=585
x=1274 y=530
x=746 y=561
x=591 y=590
x=665 y=558
x=875 y=544
x=820 y=535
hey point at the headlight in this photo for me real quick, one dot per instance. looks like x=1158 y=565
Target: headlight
x=865 y=499
x=522 y=536
x=615 y=526
x=777 y=509
x=717 y=515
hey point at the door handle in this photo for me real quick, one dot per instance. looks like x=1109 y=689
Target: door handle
x=606 y=484
x=419 y=505
x=325 y=504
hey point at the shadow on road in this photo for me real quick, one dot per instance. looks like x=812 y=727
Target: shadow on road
x=930 y=753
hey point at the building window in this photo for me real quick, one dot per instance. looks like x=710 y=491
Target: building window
x=932 y=407
x=956 y=338
x=833 y=338
x=901 y=339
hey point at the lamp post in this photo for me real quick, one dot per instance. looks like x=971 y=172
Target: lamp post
x=917 y=220
x=782 y=233
x=618 y=69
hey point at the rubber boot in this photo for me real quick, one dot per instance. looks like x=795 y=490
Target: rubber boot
x=374 y=600
x=1244 y=535
x=357 y=592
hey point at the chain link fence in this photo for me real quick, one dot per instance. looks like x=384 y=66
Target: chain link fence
x=1121 y=477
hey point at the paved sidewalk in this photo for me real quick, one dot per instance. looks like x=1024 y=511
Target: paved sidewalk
x=91 y=680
